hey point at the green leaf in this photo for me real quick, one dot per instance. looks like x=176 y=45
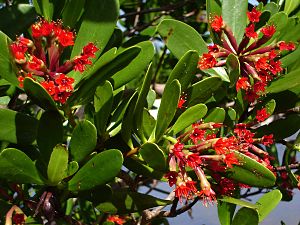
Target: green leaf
x=11 y=25
x=290 y=5
x=17 y=127
x=231 y=113
x=44 y=8
x=289 y=59
x=180 y=37
x=83 y=140
x=213 y=7
x=285 y=82
x=233 y=66
x=103 y=101
x=267 y=203
x=8 y=68
x=16 y=166
x=153 y=156
x=88 y=86
x=239 y=202
x=98 y=24
x=245 y=216
x=167 y=109
x=38 y=94
x=251 y=172
x=72 y=12
x=218 y=72
x=148 y=123
x=185 y=69
x=216 y=115
x=97 y=171
x=203 y=90
x=269 y=106
x=72 y=168
x=188 y=117
x=225 y=212
x=124 y=201
x=136 y=67
x=58 y=164
x=50 y=133
x=234 y=14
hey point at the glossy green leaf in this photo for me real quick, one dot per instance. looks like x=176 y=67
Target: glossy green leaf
x=11 y=25
x=17 y=127
x=289 y=59
x=16 y=166
x=8 y=70
x=269 y=106
x=225 y=212
x=88 y=86
x=185 y=69
x=238 y=202
x=98 y=24
x=58 y=164
x=233 y=66
x=290 y=5
x=72 y=168
x=213 y=7
x=245 y=216
x=50 y=133
x=285 y=82
x=231 y=113
x=203 y=90
x=251 y=172
x=219 y=72
x=167 y=108
x=267 y=203
x=180 y=37
x=72 y=12
x=188 y=117
x=44 y=8
x=280 y=21
x=124 y=201
x=83 y=140
x=103 y=101
x=272 y=7
x=136 y=67
x=97 y=171
x=216 y=115
x=234 y=15
x=288 y=154
x=38 y=94
x=148 y=123
x=154 y=156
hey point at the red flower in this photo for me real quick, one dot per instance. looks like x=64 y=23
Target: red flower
x=230 y=160
x=207 y=195
x=65 y=37
x=49 y=86
x=89 y=50
x=224 y=145
x=213 y=48
x=64 y=83
x=172 y=177
x=18 y=219
x=181 y=101
x=290 y=46
x=262 y=64
x=242 y=83
x=197 y=135
x=262 y=115
x=267 y=140
x=115 y=219
x=35 y=63
x=61 y=96
x=42 y=28
x=275 y=67
x=259 y=87
x=207 y=61
x=217 y=23
x=25 y=42
x=250 y=31
x=185 y=190
x=268 y=30
x=193 y=160
x=18 y=51
x=254 y=15
x=81 y=62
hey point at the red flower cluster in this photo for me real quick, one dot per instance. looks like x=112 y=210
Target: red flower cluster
x=115 y=219
x=201 y=150
x=259 y=65
x=40 y=57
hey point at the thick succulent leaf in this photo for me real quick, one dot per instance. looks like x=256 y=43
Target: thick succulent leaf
x=234 y=15
x=103 y=101
x=72 y=12
x=50 y=133
x=225 y=212
x=251 y=172
x=233 y=66
x=17 y=167
x=38 y=94
x=88 y=86
x=83 y=140
x=245 y=216
x=180 y=37
x=97 y=171
x=44 y=8
x=72 y=168
x=213 y=7
x=285 y=82
x=239 y=202
x=17 y=127
x=218 y=72
x=58 y=164
x=7 y=65
x=290 y=59
x=136 y=67
x=98 y=24
x=11 y=25
x=267 y=203
x=125 y=201
x=167 y=109
x=203 y=90
x=153 y=156
x=185 y=69
x=290 y=5
x=216 y=115
x=188 y=117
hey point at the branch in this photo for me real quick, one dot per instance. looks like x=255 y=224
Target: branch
x=291 y=166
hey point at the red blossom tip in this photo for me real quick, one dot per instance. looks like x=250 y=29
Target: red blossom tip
x=254 y=15
x=268 y=30
x=262 y=115
x=217 y=23
x=207 y=61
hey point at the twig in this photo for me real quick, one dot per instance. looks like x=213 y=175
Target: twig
x=291 y=166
